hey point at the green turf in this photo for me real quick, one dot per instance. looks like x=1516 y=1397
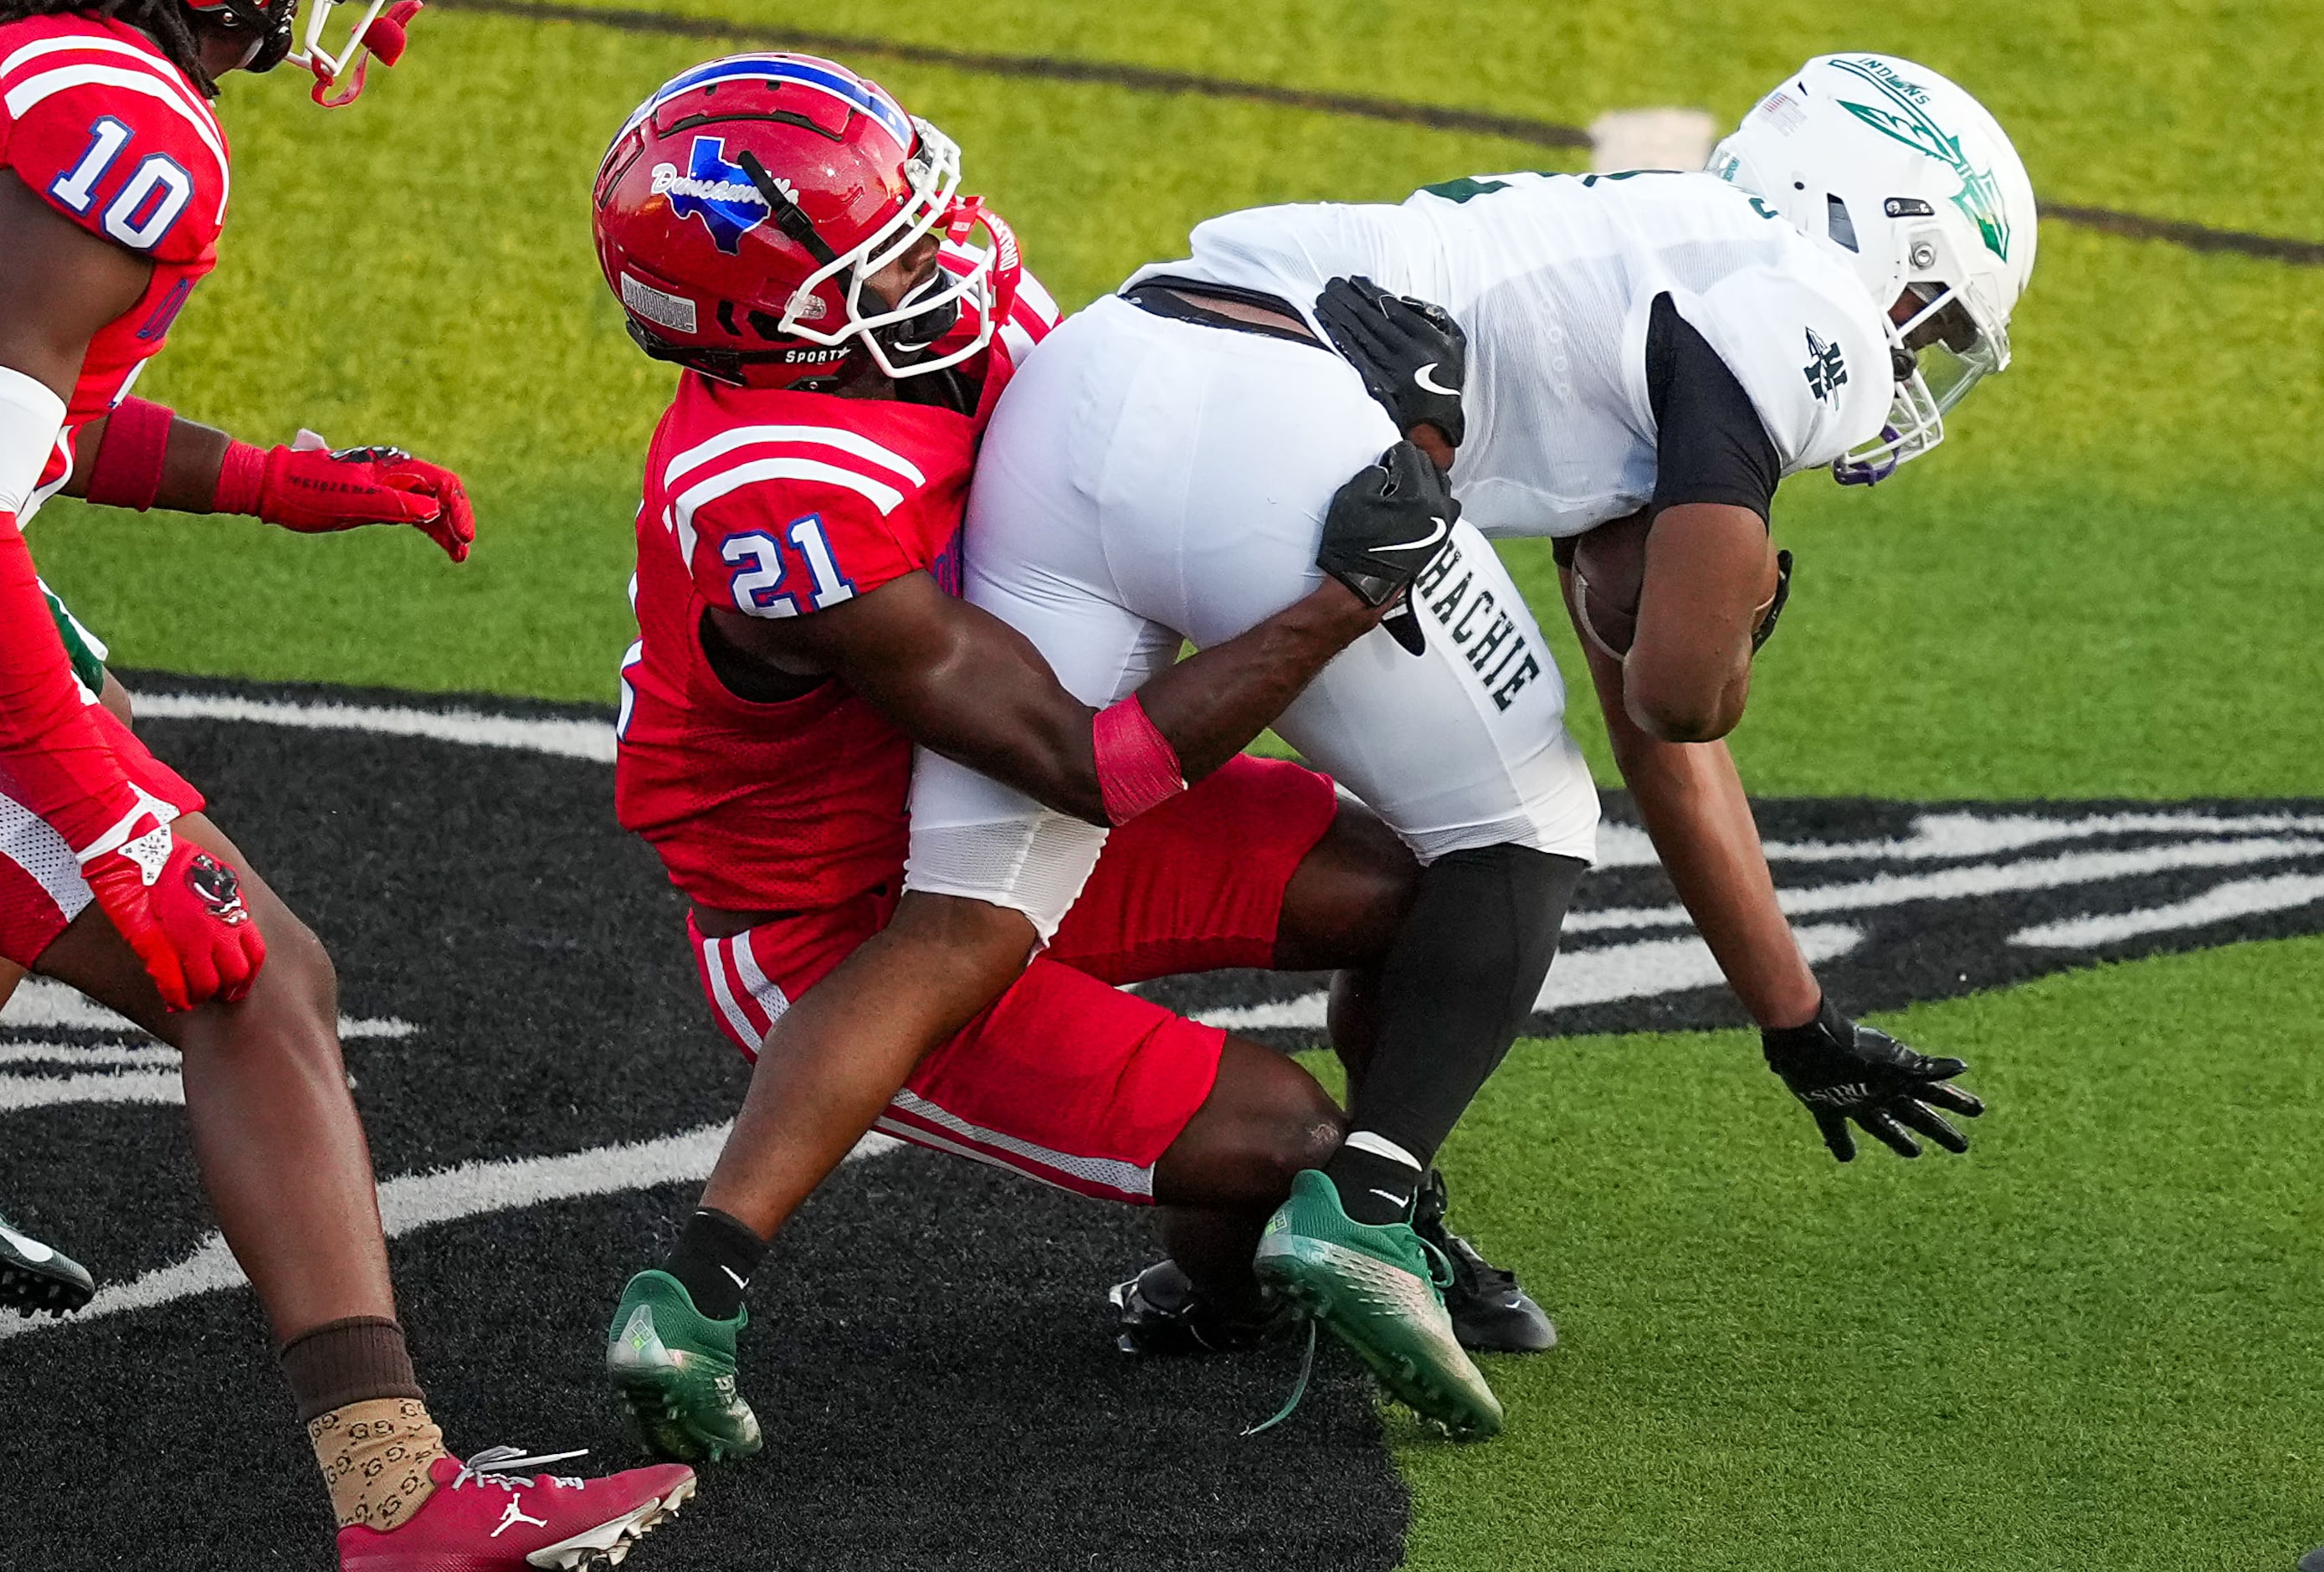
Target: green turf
x=2094 y=1342
x=2100 y=587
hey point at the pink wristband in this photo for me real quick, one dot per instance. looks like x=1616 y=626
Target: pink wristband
x=1137 y=768
x=126 y=472
x=242 y=480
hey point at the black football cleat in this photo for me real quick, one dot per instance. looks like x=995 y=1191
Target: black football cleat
x=2313 y=1561
x=1491 y=1313
x=1161 y=1313
x=34 y=1278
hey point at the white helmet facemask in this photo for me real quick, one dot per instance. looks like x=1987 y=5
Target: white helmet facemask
x=338 y=77
x=898 y=336
x=1906 y=180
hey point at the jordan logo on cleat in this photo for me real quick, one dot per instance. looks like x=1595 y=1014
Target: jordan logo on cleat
x=515 y=1515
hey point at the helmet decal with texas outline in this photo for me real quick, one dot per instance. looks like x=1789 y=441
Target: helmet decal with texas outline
x=717 y=192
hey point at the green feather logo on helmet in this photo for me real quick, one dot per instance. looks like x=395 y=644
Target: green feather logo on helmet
x=1910 y=124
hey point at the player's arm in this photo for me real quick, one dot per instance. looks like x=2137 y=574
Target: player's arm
x=1715 y=480
x=967 y=685
x=62 y=285
x=146 y=455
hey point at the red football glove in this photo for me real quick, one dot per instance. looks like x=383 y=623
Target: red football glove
x=315 y=490
x=181 y=909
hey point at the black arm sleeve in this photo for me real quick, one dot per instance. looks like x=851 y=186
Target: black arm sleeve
x=1712 y=446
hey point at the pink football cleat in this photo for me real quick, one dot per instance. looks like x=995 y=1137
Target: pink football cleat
x=485 y=1517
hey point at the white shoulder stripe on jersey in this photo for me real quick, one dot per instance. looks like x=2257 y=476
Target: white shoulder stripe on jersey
x=726 y=442
x=33 y=90
x=885 y=498
x=163 y=67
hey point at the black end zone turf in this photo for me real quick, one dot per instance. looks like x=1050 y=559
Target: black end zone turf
x=931 y=1352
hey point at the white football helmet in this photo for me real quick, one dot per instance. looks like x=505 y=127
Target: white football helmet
x=1908 y=181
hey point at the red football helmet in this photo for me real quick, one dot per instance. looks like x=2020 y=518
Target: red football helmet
x=338 y=77
x=744 y=207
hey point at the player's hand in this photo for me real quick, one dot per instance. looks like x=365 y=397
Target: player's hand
x=314 y=490
x=1844 y=1071
x=1383 y=528
x=1386 y=524
x=182 y=910
x=1413 y=357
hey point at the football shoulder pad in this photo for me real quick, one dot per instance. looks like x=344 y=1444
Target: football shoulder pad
x=781 y=520
x=1806 y=344
x=112 y=135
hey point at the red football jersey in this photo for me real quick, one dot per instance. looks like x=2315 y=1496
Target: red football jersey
x=97 y=121
x=780 y=504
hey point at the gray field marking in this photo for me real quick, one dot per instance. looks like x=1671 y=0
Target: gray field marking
x=422 y=1200
x=2000 y=853
x=2179 y=232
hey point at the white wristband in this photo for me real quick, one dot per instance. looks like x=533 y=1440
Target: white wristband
x=31 y=416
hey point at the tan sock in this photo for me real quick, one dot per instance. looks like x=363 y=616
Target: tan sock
x=374 y=1458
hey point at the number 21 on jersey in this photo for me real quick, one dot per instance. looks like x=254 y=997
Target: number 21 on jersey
x=759 y=571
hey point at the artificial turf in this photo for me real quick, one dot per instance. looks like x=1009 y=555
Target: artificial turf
x=2091 y=1343
x=2100 y=587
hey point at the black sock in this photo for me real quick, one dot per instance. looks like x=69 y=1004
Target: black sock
x=1374 y=1186
x=714 y=1258
x=1457 y=984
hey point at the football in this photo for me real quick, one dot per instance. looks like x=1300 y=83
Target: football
x=1609 y=568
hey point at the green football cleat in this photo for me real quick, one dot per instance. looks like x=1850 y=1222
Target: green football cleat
x=673 y=1368
x=1374 y=1287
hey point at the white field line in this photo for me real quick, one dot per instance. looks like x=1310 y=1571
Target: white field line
x=1976 y=880
x=1936 y=837
x=1947 y=836
x=88 y=1055
x=569 y=739
x=45 y=1003
x=421 y=1200
x=18 y=1093
x=1637 y=970
x=2222 y=904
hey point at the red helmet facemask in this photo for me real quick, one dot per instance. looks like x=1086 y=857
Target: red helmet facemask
x=744 y=208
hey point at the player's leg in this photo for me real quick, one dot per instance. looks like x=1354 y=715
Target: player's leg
x=1181 y=474
x=281 y=1152
x=1065 y=1079
x=285 y=1164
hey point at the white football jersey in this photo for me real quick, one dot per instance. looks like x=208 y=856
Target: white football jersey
x=1552 y=277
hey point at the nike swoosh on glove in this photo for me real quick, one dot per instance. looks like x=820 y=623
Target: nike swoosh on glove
x=1413 y=357
x=1386 y=524
x=1841 y=1071
x=181 y=909
x=318 y=491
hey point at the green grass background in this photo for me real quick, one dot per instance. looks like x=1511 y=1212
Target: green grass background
x=2095 y=1342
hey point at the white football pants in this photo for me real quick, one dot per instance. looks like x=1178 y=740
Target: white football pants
x=1146 y=478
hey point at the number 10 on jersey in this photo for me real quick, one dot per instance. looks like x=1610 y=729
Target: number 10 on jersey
x=759 y=569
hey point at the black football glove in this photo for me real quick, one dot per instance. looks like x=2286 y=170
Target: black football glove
x=1841 y=1071
x=1383 y=528
x=1412 y=355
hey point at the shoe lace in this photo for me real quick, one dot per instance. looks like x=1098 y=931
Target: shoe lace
x=1306 y=1367
x=1440 y=1264
x=499 y=1464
